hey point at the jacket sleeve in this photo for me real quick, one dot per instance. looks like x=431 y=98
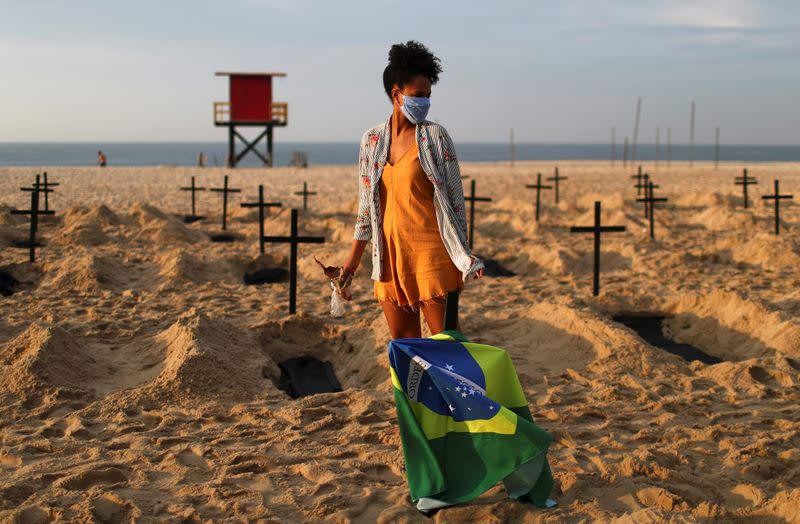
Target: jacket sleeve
x=455 y=188
x=363 y=227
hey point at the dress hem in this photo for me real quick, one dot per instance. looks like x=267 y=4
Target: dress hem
x=436 y=297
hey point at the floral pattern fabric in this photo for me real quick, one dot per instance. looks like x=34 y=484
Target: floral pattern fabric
x=437 y=157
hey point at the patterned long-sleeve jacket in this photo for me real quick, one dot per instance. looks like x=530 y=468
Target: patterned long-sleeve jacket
x=438 y=160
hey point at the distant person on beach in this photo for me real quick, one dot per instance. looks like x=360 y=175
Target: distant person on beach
x=101 y=159
x=414 y=262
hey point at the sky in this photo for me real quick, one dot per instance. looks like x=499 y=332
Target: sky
x=556 y=72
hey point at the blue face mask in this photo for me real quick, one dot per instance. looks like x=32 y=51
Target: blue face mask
x=415 y=108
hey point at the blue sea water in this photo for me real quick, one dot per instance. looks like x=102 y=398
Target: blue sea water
x=185 y=153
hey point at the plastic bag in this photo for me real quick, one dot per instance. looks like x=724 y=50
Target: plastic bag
x=337 y=302
x=340 y=287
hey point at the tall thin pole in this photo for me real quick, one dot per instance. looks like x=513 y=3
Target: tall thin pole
x=691 y=137
x=658 y=144
x=596 y=276
x=511 y=139
x=613 y=144
x=261 y=219
x=225 y=205
x=716 y=151
x=636 y=128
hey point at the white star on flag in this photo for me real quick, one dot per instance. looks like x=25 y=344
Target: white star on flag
x=449 y=367
x=464 y=394
x=451 y=407
x=491 y=407
x=458 y=388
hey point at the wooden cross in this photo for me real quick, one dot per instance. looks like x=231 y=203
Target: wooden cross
x=193 y=188
x=650 y=200
x=38 y=187
x=538 y=187
x=472 y=199
x=555 y=179
x=777 y=197
x=305 y=192
x=34 y=212
x=46 y=185
x=638 y=176
x=225 y=190
x=646 y=183
x=261 y=205
x=293 y=240
x=596 y=229
x=745 y=181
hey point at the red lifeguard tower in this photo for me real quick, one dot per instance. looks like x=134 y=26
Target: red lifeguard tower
x=250 y=105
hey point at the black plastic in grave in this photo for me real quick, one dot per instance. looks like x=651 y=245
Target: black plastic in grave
x=649 y=328
x=266 y=276
x=223 y=237
x=8 y=284
x=493 y=268
x=303 y=376
x=189 y=219
x=25 y=244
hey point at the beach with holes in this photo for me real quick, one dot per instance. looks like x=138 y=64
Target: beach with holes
x=146 y=370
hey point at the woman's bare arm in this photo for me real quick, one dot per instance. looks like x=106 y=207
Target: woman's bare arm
x=353 y=260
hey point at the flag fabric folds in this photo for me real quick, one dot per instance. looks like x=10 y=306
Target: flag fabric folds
x=465 y=423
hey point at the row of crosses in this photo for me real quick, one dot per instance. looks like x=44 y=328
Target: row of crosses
x=293 y=239
x=226 y=190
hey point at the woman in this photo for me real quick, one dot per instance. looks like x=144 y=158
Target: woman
x=411 y=202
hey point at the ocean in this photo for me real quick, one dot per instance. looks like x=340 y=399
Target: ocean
x=185 y=153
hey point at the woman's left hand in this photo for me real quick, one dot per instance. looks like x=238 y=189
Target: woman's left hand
x=478 y=273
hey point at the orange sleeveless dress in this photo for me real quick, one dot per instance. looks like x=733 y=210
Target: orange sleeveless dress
x=416 y=265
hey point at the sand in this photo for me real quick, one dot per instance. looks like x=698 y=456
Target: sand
x=139 y=373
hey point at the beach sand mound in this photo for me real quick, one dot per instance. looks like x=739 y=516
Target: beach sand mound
x=7 y=219
x=177 y=265
x=212 y=360
x=101 y=215
x=707 y=200
x=85 y=226
x=607 y=201
x=79 y=234
x=85 y=272
x=730 y=326
x=717 y=218
x=44 y=357
x=10 y=236
x=763 y=249
x=162 y=229
x=537 y=258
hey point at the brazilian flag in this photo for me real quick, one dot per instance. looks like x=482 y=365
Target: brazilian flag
x=465 y=423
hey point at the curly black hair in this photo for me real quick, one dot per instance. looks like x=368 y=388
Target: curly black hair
x=407 y=61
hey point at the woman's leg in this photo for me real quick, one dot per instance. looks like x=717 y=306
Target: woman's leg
x=403 y=322
x=433 y=310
